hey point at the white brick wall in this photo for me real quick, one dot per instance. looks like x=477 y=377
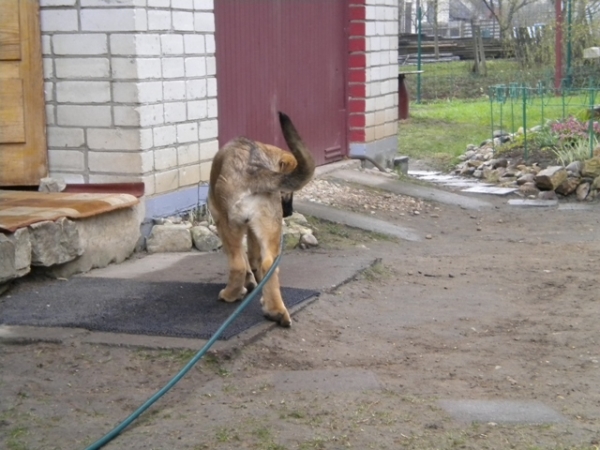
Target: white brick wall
x=382 y=69
x=130 y=88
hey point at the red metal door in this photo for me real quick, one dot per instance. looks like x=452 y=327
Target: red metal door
x=287 y=55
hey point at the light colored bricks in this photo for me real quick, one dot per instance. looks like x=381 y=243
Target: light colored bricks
x=50 y=3
x=173 y=67
x=116 y=162
x=187 y=132
x=65 y=137
x=208 y=130
x=195 y=66
x=196 y=89
x=204 y=22
x=121 y=19
x=159 y=20
x=208 y=150
x=82 y=68
x=166 y=135
x=175 y=112
x=126 y=116
x=204 y=5
x=82 y=44
x=174 y=90
x=83 y=91
x=135 y=45
x=197 y=110
x=171 y=44
x=194 y=44
x=165 y=158
x=182 y=4
x=83 y=116
x=205 y=171
x=166 y=181
x=189 y=175
x=66 y=160
x=113 y=138
x=59 y=20
x=151 y=114
x=183 y=21
x=188 y=154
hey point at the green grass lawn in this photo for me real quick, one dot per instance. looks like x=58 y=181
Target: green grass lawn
x=439 y=132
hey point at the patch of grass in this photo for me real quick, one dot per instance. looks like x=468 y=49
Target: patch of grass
x=178 y=356
x=224 y=434
x=376 y=272
x=334 y=235
x=15 y=441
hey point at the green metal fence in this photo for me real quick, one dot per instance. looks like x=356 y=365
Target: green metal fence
x=569 y=113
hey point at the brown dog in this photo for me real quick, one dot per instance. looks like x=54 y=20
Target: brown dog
x=250 y=186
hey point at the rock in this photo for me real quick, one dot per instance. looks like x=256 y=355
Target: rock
x=54 y=242
x=591 y=167
x=501 y=162
x=527 y=178
x=568 y=186
x=308 y=240
x=52 y=185
x=169 y=238
x=547 y=195
x=582 y=191
x=204 y=239
x=22 y=243
x=527 y=189
x=8 y=270
x=575 y=168
x=298 y=218
x=550 y=178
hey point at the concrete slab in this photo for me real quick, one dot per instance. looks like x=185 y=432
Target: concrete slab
x=576 y=207
x=501 y=411
x=334 y=380
x=302 y=270
x=533 y=202
x=492 y=190
x=355 y=220
x=405 y=188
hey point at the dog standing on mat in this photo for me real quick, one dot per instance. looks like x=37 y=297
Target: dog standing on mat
x=251 y=190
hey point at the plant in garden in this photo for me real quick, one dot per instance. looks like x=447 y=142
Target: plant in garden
x=572 y=130
x=579 y=151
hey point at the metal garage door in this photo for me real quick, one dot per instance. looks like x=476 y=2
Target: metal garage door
x=287 y=55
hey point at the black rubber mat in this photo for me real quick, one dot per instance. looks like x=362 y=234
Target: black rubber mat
x=127 y=306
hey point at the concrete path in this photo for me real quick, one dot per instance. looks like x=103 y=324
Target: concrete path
x=410 y=189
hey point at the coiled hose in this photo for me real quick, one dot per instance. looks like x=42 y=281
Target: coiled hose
x=138 y=412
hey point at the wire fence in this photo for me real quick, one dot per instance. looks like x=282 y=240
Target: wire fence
x=565 y=120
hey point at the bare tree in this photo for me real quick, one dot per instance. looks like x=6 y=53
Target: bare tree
x=504 y=12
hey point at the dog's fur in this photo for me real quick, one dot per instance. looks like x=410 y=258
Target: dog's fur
x=251 y=187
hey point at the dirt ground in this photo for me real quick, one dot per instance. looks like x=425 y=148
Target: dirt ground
x=501 y=304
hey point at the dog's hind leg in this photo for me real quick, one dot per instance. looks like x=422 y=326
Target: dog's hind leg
x=269 y=234
x=238 y=263
x=254 y=276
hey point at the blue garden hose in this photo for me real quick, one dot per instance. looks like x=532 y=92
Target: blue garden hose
x=138 y=412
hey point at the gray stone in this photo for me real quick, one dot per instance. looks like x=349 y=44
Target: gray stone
x=8 y=270
x=204 y=239
x=107 y=238
x=547 y=195
x=575 y=168
x=568 y=186
x=533 y=202
x=582 y=191
x=297 y=218
x=54 y=242
x=526 y=178
x=550 y=178
x=591 y=168
x=308 y=240
x=22 y=243
x=52 y=185
x=169 y=238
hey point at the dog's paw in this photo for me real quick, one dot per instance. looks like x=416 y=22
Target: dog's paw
x=283 y=319
x=250 y=282
x=230 y=297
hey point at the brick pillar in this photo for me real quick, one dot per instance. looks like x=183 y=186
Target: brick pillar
x=373 y=79
x=131 y=92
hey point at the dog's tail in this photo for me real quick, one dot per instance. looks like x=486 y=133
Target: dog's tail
x=305 y=169
x=268 y=179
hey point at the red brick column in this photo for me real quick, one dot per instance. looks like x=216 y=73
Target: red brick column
x=357 y=63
